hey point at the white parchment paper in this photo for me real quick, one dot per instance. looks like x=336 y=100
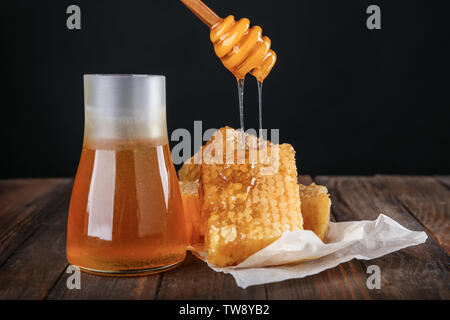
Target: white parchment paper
x=301 y=253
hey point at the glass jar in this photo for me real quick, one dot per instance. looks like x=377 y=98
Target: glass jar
x=126 y=212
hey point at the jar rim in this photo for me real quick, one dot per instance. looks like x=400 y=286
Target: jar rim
x=120 y=75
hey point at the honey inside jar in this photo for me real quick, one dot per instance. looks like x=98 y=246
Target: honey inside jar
x=125 y=208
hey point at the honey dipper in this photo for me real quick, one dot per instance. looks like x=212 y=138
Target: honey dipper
x=240 y=48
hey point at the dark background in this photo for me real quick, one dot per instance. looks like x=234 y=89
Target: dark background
x=350 y=100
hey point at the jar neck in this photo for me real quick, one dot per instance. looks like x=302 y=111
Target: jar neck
x=125 y=107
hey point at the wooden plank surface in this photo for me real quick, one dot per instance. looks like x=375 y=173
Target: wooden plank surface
x=24 y=206
x=195 y=280
x=33 y=217
x=445 y=180
x=106 y=288
x=38 y=240
x=418 y=272
x=427 y=200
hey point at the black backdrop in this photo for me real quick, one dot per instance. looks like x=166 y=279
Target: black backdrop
x=350 y=100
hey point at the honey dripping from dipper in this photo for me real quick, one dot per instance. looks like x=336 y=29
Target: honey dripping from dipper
x=241 y=48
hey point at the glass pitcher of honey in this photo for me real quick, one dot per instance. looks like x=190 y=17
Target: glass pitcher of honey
x=126 y=212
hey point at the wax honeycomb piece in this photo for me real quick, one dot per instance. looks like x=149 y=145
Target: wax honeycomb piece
x=315 y=209
x=190 y=171
x=248 y=205
x=315 y=201
x=195 y=227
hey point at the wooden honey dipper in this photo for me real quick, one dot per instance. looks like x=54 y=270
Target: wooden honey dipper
x=240 y=48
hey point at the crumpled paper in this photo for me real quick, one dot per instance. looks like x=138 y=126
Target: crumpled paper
x=301 y=253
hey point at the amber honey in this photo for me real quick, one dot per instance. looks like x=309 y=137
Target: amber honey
x=126 y=211
x=242 y=49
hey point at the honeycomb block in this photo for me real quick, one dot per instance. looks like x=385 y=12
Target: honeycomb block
x=240 y=206
x=195 y=225
x=247 y=204
x=316 y=209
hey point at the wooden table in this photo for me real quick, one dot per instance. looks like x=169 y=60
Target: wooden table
x=33 y=217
